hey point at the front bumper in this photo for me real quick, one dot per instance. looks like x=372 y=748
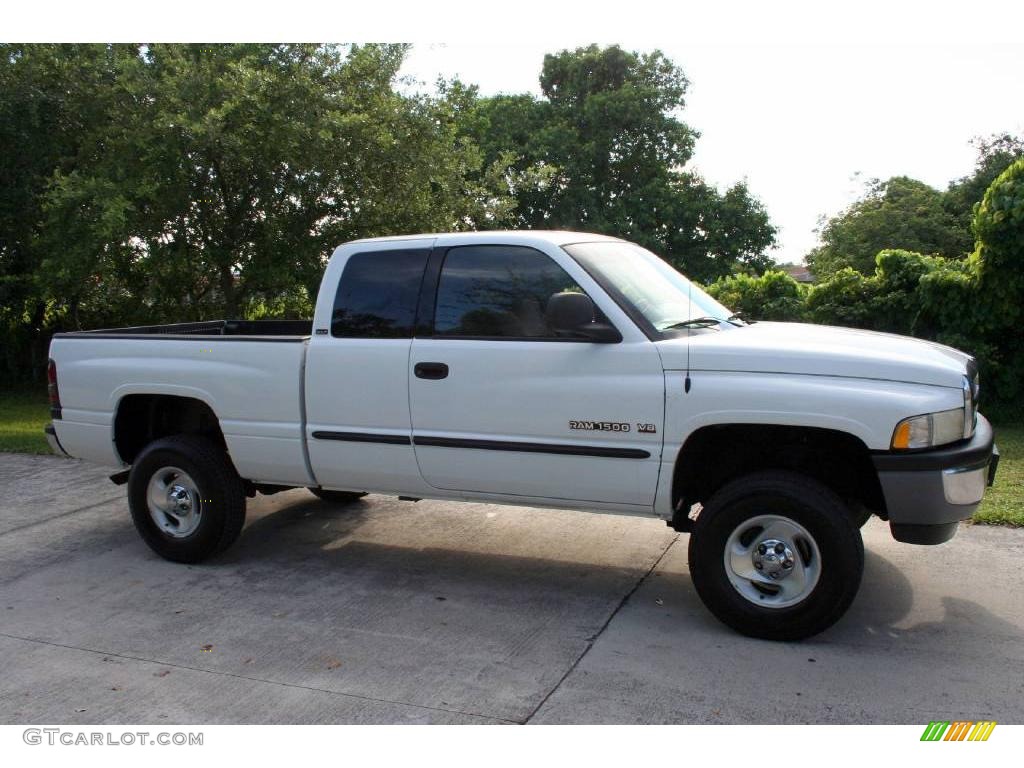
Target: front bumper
x=927 y=493
x=54 y=442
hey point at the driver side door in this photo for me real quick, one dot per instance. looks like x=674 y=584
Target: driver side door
x=502 y=405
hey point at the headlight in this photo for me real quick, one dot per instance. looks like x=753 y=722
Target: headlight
x=931 y=429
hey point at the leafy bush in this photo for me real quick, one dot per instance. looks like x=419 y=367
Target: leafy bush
x=848 y=298
x=998 y=261
x=898 y=213
x=975 y=304
x=772 y=296
x=999 y=254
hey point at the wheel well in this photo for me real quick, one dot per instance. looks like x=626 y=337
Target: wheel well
x=714 y=455
x=141 y=419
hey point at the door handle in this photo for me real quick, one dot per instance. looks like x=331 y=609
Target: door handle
x=430 y=370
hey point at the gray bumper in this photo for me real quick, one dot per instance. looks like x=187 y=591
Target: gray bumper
x=55 y=446
x=927 y=493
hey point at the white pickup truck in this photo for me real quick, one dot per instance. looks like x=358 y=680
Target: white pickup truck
x=552 y=369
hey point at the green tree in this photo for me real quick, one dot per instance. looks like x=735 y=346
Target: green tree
x=906 y=214
x=54 y=96
x=604 y=151
x=995 y=154
x=231 y=172
x=999 y=264
x=899 y=213
x=974 y=304
x=999 y=256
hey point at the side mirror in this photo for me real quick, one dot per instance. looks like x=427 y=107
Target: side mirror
x=572 y=314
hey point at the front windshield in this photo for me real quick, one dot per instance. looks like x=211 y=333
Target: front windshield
x=666 y=299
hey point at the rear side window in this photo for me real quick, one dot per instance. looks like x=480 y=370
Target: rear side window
x=497 y=291
x=377 y=294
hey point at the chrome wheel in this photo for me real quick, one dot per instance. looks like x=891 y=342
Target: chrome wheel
x=772 y=561
x=173 y=501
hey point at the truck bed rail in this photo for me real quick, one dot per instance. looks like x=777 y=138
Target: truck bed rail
x=267 y=330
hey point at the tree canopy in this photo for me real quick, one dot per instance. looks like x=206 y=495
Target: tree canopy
x=147 y=183
x=975 y=304
x=995 y=154
x=234 y=170
x=906 y=214
x=604 y=150
x=897 y=213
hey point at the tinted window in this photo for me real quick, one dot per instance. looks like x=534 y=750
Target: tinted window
x=497 y=290
x=377 y=294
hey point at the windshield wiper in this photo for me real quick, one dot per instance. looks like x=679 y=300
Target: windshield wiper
x=696 y=322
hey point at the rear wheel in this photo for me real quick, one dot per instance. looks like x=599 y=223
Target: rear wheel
x=186 y=500
x=775 y=555
x=337 y=497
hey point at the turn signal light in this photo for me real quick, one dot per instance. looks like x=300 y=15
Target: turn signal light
x=901 y=438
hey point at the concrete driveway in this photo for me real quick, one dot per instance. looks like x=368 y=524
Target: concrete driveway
x=389 y=611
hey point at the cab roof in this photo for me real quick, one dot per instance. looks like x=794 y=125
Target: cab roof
x=524 y=236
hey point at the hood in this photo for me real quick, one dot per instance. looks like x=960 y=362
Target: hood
x=818 y=350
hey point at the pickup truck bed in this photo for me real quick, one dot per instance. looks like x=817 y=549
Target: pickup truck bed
x=248 y=372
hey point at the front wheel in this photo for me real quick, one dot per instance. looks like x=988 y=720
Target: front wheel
x=860 y=514
x=187 y=500
x=775 y=555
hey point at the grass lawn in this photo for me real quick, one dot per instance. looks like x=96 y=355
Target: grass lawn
x=23 y=415
x=1004 y=501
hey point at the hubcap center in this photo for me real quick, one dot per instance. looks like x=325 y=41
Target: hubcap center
x=774 y=558
x=179 y=500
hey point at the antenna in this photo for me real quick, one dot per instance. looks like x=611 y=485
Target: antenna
x=689 y=332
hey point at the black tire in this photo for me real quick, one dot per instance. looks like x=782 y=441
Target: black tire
x=220 y=491
x=337 y=497
x=796 y=498
x=859 y=515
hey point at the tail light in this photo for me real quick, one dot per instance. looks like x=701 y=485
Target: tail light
x=51 y=387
